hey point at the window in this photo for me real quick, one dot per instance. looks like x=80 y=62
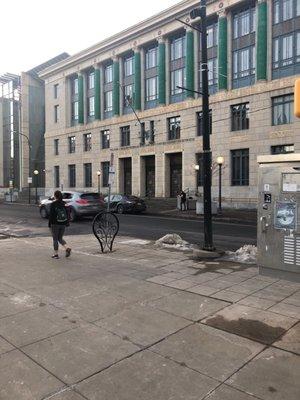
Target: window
x=286 y=50
x=108 y=74
x=152 y=88
x=128 y=95
x=212 y=35
x=244 y=23
x=91 y=80
x=128 y=66
x=87 y=170
x=151 y=58
x=56 y=144
x=105 y=174
x=56 y=176
x=56 y=113
x=74 y=110
x=285 y=10
x=125 y=136
x=212 y=65
x=72 y=176
x=91 y=106
x=199 y=123
x=282 y=109
x=108 y=101
x=200 y=171
x=105 y=139
x=72 y=144
x=177 y=79
x=174 y=128
x=74 y=86
x=282 y=149
x=147 y=133
x=87 y=142
x=240 y=117
x=244 y=62
x=178 y=48
x=240 y=167
x=55 y=91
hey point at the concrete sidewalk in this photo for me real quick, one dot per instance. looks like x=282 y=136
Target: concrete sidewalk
x=142 y=323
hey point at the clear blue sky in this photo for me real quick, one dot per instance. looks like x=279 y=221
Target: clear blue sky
x=33 y=31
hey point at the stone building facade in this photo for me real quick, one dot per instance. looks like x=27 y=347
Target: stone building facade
x=254 y=57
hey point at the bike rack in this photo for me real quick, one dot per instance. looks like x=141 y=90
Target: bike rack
x=105 y=228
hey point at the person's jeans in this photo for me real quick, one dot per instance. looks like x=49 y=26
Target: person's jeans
x=57 y=235
x=183 y=206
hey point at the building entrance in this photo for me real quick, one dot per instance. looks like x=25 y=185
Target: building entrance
x=150 y=176
x=175 y=174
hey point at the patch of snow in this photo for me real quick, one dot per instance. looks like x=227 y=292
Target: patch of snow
x=245 y=255
x=174 y=241
x=135 y=241
x=21 y=298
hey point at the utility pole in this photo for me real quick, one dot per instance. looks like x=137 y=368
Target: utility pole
x=208 y=235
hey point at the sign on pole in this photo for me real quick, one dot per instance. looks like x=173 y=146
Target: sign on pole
x=29 y=180
x=111 y=178
x=11 y=184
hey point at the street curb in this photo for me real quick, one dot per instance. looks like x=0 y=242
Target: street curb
x=200 y=218
x=8 y=203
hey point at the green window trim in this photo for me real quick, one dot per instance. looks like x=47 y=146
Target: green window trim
x=222 y=54
x=261 y=47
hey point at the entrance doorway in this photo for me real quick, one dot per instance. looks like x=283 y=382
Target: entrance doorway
x=127 y=168
x=175 y=174
x=150 y=176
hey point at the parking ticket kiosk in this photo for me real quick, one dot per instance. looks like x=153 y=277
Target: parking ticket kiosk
x=278 y=230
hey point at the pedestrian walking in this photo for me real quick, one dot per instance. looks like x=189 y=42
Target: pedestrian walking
x=58 y=220
x=182 y=201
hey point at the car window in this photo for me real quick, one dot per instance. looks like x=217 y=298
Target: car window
x=91 y=196
x=67 y=196
x=118 y=197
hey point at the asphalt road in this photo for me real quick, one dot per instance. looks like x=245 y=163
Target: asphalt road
x=227 y=235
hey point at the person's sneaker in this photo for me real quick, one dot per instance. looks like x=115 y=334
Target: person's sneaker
x=56 y=256
x=68 y=252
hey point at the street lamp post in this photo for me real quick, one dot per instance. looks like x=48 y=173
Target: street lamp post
x=36 y=172
x=99 y=174
x=220 y=162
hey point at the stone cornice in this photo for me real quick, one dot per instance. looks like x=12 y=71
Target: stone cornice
x=146 y=26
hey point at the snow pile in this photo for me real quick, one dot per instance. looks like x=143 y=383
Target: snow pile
x=140 y=242
x=173 y=241
x=246 y=254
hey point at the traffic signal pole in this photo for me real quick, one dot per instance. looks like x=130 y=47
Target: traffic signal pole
x=208 y=234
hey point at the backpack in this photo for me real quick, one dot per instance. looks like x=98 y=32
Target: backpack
x=61 y=214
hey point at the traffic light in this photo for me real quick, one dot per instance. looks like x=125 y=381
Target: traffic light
x=195 y=13
x=297 y=98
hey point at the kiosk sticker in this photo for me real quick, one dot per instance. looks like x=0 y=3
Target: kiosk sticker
x=285 y=215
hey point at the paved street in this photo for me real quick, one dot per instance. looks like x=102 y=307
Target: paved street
x=229 y=236
x=142 y=323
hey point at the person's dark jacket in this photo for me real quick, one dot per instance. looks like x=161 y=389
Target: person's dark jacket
x=53 y=213
x=183 y=197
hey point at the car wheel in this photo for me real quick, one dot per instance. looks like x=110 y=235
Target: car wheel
x=72 y=215
x=43 y=212
x=120 y=209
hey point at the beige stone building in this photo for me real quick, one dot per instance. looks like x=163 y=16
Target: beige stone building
x=254 y=57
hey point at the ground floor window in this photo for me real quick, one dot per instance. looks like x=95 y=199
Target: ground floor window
x=56 y=176
x=87 y=169
x=240 y=167
x=105 y=174
x=72 y=176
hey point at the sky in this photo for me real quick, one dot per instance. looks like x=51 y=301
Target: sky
x=33 y=31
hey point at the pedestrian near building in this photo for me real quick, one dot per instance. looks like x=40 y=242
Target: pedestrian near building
x=58 y=220
x=183 y=201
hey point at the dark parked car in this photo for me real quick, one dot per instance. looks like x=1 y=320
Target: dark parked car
x=122 y=203
x=80 y=204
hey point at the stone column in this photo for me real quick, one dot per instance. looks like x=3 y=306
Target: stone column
x=222 y=51
x=116 y=87
x=161 y=72
x=142 y=78
x=80 y=98
x=137 y=80
x=261 y=40
x=101 y=92
x=97 y=92
x=196 y=62
x=189 y=67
